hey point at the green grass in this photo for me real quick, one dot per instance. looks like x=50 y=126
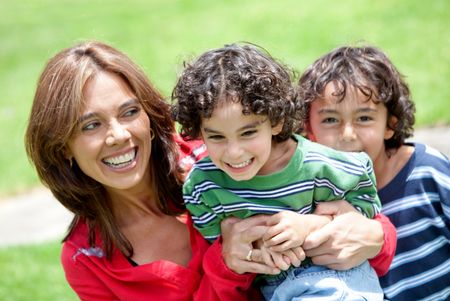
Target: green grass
x=160 y=34
x=33 y=273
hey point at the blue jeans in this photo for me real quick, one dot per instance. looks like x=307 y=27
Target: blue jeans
x=315 y=282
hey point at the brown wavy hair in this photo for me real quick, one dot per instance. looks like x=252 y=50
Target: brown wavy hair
x=243 y=73
x=370 y=71
x=53 y=118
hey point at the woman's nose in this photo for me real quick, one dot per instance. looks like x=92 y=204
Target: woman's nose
x=117 y=134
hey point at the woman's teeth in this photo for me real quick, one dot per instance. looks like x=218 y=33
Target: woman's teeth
x=121 y=160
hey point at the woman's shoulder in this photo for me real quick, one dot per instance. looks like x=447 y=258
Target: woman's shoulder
x=77 y=243
x=191 y=150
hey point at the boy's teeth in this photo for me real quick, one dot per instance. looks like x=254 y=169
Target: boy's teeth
x=128 y=157
x=240 y=165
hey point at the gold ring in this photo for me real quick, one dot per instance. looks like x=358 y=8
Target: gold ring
x=249 y=255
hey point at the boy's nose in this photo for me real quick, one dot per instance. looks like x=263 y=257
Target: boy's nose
x=348 y=132
x=233 y=150
x=117 y=133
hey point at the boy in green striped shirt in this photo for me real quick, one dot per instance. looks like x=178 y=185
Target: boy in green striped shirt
x=242 y=103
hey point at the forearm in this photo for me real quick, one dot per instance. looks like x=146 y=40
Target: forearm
x=348 y=240
x=221 y=283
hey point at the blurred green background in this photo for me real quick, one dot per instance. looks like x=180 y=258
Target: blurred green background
x=160 y=34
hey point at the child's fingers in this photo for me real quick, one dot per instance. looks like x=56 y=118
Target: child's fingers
x=292 y=258
x=279 y=261
x=287 y=245
x=274 y=219
x=274 y=240
x=267 y=258
x=299 y=253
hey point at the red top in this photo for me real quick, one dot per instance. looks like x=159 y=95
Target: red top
x=206 y=277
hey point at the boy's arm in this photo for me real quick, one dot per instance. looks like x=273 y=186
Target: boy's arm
x=363 y=196
x=205 y=219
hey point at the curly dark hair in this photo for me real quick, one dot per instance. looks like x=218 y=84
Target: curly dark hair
x=243 y=73
x=370 y=71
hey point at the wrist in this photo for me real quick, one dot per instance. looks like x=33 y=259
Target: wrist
x=377 y=233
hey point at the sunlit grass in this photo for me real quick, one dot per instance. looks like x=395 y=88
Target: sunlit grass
x=160 y=34
x=33 y=273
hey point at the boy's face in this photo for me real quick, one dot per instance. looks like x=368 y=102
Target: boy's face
x=238 y=144
x=353 y=124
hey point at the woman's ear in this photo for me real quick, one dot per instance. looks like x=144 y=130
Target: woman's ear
x=67 y=153
x=390 y=126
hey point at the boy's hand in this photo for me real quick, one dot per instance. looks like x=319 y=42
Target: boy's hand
x=288 y=230
x=285 y=231
x=284 y=259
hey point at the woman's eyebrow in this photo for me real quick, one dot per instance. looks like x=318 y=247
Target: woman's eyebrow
x=90 y=115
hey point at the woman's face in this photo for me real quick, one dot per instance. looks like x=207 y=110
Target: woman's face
x=112 y=141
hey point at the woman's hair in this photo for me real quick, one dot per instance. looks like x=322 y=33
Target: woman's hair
x=240 y=73
x=56 y=108
x=370 y=71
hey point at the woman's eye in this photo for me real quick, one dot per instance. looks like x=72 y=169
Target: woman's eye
x=90 y=126
x=131 y=112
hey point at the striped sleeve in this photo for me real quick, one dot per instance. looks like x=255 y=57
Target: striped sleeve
x=363 y=196
x=205 y=218
x=348 y=176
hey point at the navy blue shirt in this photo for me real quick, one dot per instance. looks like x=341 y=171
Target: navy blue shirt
x=417 y=201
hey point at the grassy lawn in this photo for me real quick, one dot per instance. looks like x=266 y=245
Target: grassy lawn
x=33 y=273
x=160 y=34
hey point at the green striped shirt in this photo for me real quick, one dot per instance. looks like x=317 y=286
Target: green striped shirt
x=315 y=173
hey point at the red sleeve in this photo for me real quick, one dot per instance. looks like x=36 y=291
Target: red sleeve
x=190 y=151
x=82 y=280
x=221 y=283
x=383 y=260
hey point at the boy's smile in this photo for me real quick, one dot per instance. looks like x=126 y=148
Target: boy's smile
x=238 y=144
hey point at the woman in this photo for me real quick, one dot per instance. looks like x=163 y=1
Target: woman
x=102 y=140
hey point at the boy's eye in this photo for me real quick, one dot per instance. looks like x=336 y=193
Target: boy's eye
x=90 y=126
x=248 y=133
x=329 y=120
x=365 y=118
x=215 y=137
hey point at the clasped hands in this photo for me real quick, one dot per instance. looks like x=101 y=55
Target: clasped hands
x=274 y=242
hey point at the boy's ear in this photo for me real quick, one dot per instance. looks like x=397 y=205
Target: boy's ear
x=277 y=129
x=307 y=132
x=391 y=124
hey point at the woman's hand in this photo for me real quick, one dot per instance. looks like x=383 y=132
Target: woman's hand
x=345 y=242
x=237 y=241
